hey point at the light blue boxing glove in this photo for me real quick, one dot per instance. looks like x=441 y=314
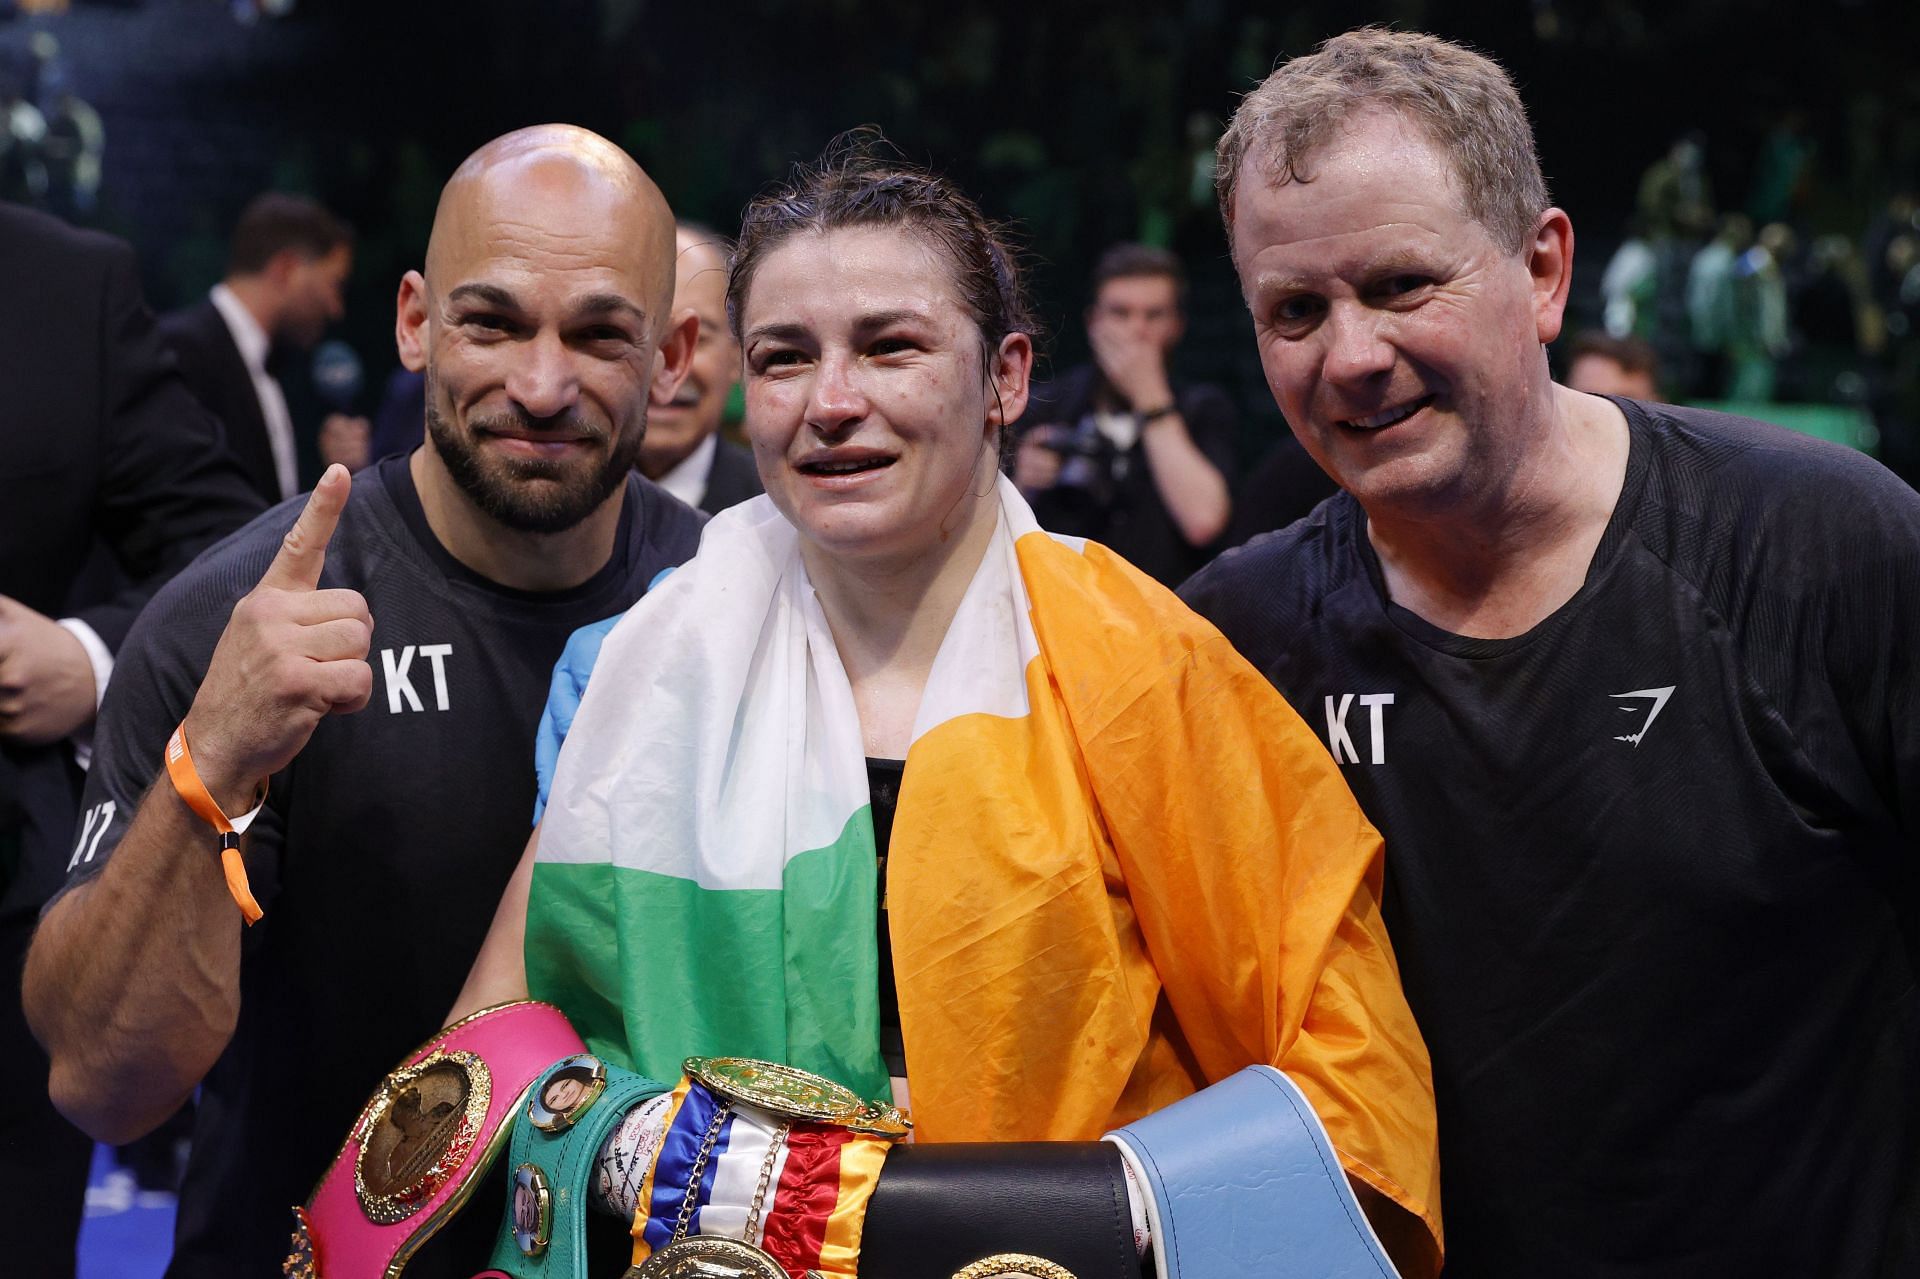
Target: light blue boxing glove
x=1245 y=1182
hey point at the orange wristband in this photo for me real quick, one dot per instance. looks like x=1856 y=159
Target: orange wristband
x=193 y=792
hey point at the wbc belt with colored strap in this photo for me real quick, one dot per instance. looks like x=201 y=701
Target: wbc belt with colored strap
x=424 y=1139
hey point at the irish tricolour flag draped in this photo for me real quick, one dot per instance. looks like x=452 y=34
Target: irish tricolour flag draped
x=706 y=876
x=1121 y=867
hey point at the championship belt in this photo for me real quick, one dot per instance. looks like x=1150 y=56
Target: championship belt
x=552 y=1161
x=1047 y=1208
x=812 y=1154
x=423 y=1140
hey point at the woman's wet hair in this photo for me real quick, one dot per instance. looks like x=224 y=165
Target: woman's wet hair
x=861 y=181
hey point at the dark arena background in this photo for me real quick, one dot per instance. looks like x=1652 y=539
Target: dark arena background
x=1781 y=142
x=1083 y=123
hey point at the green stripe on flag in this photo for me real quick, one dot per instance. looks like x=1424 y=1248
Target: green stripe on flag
x=788 y=974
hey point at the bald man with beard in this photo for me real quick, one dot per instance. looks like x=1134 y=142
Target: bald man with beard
x=373 y=659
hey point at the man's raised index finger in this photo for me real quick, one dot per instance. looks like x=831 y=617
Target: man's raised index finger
x=297 y=564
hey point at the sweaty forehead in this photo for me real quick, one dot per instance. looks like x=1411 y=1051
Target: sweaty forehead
x=555 y=217
x=844 y=271
x=1376 y=155
x=1377 y=195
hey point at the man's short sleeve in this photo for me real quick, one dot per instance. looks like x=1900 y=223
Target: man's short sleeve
x=156 y=674
x=1865 y=614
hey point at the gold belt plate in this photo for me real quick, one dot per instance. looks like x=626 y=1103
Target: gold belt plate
x=795 y=1094
x=708 y=1257
x=417 y=1132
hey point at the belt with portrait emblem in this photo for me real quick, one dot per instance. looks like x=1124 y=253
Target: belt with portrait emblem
x=552 y=1162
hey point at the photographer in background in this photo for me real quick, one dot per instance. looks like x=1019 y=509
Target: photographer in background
x=1116 y=450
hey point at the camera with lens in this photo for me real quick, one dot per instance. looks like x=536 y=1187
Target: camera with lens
x=1090 y=462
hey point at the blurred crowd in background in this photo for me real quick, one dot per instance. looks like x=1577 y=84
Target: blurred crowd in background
x=1764 y=299
x=1744 y=181
x=1744 y=184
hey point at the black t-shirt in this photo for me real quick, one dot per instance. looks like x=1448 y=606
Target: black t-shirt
x=1118 y=504
x=1649 y=865
x=383 y=848
x=883 y=786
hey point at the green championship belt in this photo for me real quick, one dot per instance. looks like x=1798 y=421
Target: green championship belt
x=567 y=1117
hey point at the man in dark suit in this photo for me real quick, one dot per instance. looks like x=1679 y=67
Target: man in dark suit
x=683 y=452
x=99 y=440
x=287 y=266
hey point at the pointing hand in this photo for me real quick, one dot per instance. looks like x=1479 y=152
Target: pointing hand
x=291 y=655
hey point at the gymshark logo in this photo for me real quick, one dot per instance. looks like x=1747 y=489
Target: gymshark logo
x=1658 y=696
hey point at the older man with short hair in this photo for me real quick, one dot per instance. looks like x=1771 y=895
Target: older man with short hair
x=1629 y=689
x=684 y=452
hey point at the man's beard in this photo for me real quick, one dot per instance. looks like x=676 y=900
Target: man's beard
x=530 y=494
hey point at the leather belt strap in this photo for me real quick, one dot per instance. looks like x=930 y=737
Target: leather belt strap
x=941 y=1207
x=424 y=1139
x=566 y=1161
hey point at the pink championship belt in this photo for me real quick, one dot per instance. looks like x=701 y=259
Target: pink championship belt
x=422 y=1141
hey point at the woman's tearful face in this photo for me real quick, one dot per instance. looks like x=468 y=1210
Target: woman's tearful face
x=868 y=406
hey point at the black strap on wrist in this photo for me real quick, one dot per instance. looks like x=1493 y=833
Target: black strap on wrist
x=941 y=1207
x=1154 y=415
